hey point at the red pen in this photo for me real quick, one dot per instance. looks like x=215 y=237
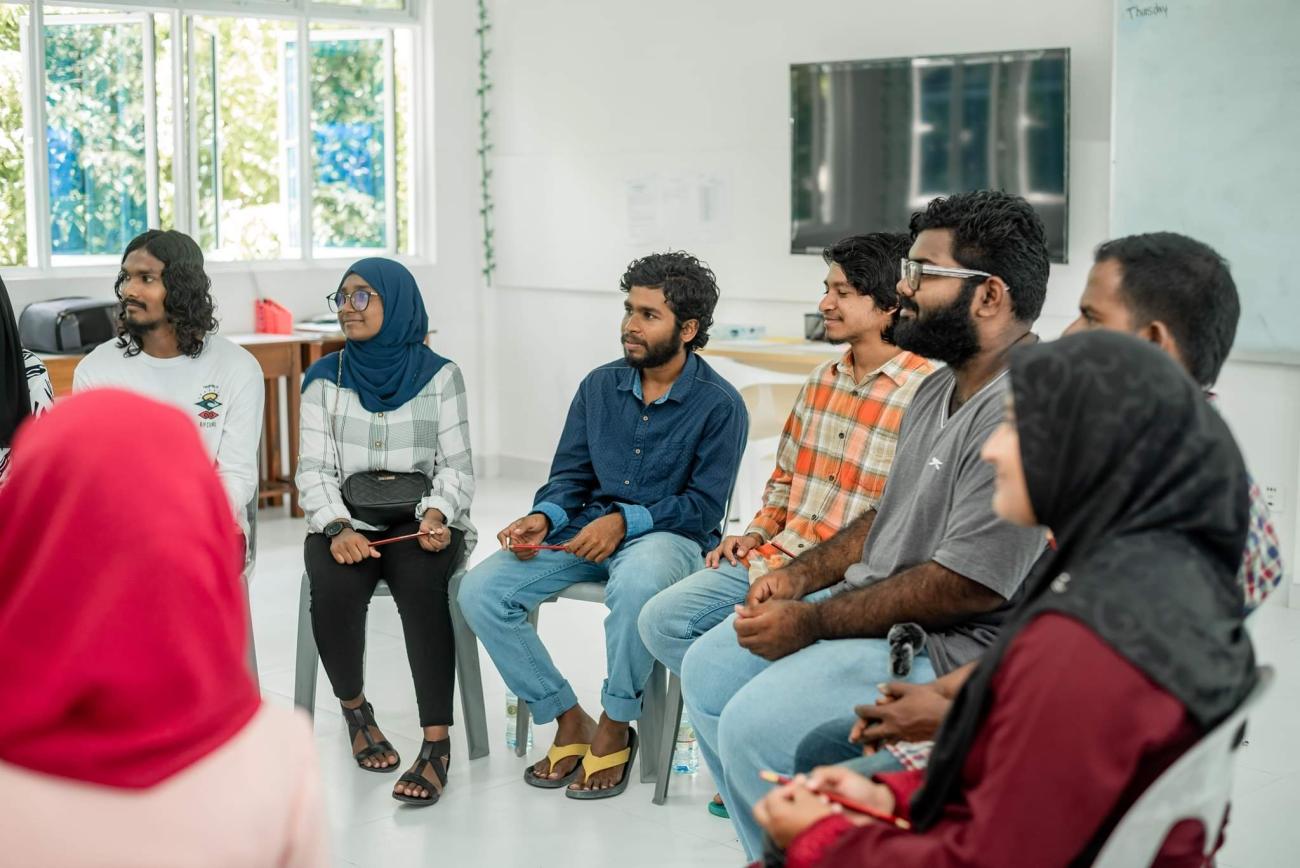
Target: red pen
x=745 y=560
x=855 y=807
x=384 y=542
x=525 y=547
x=782 y=550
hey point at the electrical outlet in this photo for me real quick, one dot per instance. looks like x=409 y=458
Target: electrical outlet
x=1273 y=497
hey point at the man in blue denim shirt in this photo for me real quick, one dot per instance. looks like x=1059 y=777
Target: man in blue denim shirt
x=637 y=492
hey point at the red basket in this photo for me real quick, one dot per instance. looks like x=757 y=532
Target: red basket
x=272 y=318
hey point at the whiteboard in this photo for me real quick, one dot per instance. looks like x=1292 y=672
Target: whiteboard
x=1206 y=141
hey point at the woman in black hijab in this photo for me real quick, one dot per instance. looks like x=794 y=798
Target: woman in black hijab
x=1126 y=649
x=24 y=384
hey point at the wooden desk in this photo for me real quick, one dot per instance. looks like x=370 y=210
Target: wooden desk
x=281 y=359
x=60 y=369
x=317 y=344
x=787 y=355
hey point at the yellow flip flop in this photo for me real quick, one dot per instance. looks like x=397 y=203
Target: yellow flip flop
x=553 y=756
x=592 y=764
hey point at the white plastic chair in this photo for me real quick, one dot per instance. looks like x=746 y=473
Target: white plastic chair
x=654 y=712
x=469 y=680
x=1196 y=787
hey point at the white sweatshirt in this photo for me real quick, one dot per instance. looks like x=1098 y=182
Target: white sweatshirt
x=221 y=390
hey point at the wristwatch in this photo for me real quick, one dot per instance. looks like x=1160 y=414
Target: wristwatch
x=336 y=527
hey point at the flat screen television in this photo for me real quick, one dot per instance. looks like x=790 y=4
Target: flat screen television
x=875 y=140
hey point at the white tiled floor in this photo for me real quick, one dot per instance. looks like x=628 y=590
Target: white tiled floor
x=490 y=817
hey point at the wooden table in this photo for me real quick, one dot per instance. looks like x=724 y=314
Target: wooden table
x=283 y=358
x=787 y=355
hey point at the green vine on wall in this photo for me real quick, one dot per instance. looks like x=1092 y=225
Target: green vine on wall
x=486 y=205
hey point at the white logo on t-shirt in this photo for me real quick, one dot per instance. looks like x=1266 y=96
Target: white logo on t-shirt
x=935 y=463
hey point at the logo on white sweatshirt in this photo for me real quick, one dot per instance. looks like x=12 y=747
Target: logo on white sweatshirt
x=209 y=402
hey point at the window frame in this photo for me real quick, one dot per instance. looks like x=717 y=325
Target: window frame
x=418 y=128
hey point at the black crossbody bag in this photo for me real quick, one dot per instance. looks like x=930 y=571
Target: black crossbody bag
x=378 y=497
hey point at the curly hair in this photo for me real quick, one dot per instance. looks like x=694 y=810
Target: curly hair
x=1185 y=284
x=188 y=302
x=999 y=233
x=688 y=285
x=870 y=262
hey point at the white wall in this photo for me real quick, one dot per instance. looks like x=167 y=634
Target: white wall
x=592 y=93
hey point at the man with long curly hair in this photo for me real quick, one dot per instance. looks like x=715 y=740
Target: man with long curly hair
x=166 y=349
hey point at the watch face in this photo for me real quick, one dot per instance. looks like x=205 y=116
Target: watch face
x=334 y=528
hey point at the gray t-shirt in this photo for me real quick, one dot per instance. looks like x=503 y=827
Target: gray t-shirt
x=938 y=506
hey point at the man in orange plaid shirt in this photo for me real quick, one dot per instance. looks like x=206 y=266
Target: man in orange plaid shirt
x=835 y=452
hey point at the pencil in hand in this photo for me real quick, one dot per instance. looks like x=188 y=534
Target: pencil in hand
x=855 y=807
x=782 y=549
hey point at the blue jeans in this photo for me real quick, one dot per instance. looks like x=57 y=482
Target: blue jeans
x=683 y=613
x=750 y=713
x=829 y=745
x=879 y=763
x=498 y=594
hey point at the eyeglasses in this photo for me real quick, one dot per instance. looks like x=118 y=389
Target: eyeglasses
x=913 y=271
x=360 y=299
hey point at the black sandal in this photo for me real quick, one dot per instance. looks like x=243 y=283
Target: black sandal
x=430 y=752
x=360 y=719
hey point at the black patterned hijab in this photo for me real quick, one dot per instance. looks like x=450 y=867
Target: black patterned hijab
x=1146 y=494
x=15 y=402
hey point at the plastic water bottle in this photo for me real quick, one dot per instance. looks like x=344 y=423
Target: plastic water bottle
x=512 y=722
x=686 y=756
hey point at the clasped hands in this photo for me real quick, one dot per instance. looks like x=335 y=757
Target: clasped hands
x=903 y=712
x=774 y=621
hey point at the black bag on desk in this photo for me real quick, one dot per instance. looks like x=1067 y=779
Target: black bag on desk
x=67 y=325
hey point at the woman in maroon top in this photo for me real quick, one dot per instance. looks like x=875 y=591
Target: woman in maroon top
x=1127 y=647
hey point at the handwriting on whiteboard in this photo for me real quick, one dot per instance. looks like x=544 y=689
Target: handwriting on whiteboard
x=1147 y=11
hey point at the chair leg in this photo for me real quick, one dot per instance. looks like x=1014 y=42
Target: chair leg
x=252 y=644
x=521 y=707
x=521 y=728
x=304 y=672
x=470 y=678
x=668 y=738
x=651 y=722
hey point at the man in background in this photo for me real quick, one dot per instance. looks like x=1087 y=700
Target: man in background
x=166 y=348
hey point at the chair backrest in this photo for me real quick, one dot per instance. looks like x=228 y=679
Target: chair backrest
x=769 y=405
x=1196 y=787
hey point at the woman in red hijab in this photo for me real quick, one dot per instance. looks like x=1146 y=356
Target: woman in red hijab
x=132 y=732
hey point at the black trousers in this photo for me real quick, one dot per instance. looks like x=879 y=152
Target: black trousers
x=340 y=599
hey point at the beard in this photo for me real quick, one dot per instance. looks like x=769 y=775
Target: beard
x=656 y=354
x=135 y=327
x=947 y=335
x=889 y=333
